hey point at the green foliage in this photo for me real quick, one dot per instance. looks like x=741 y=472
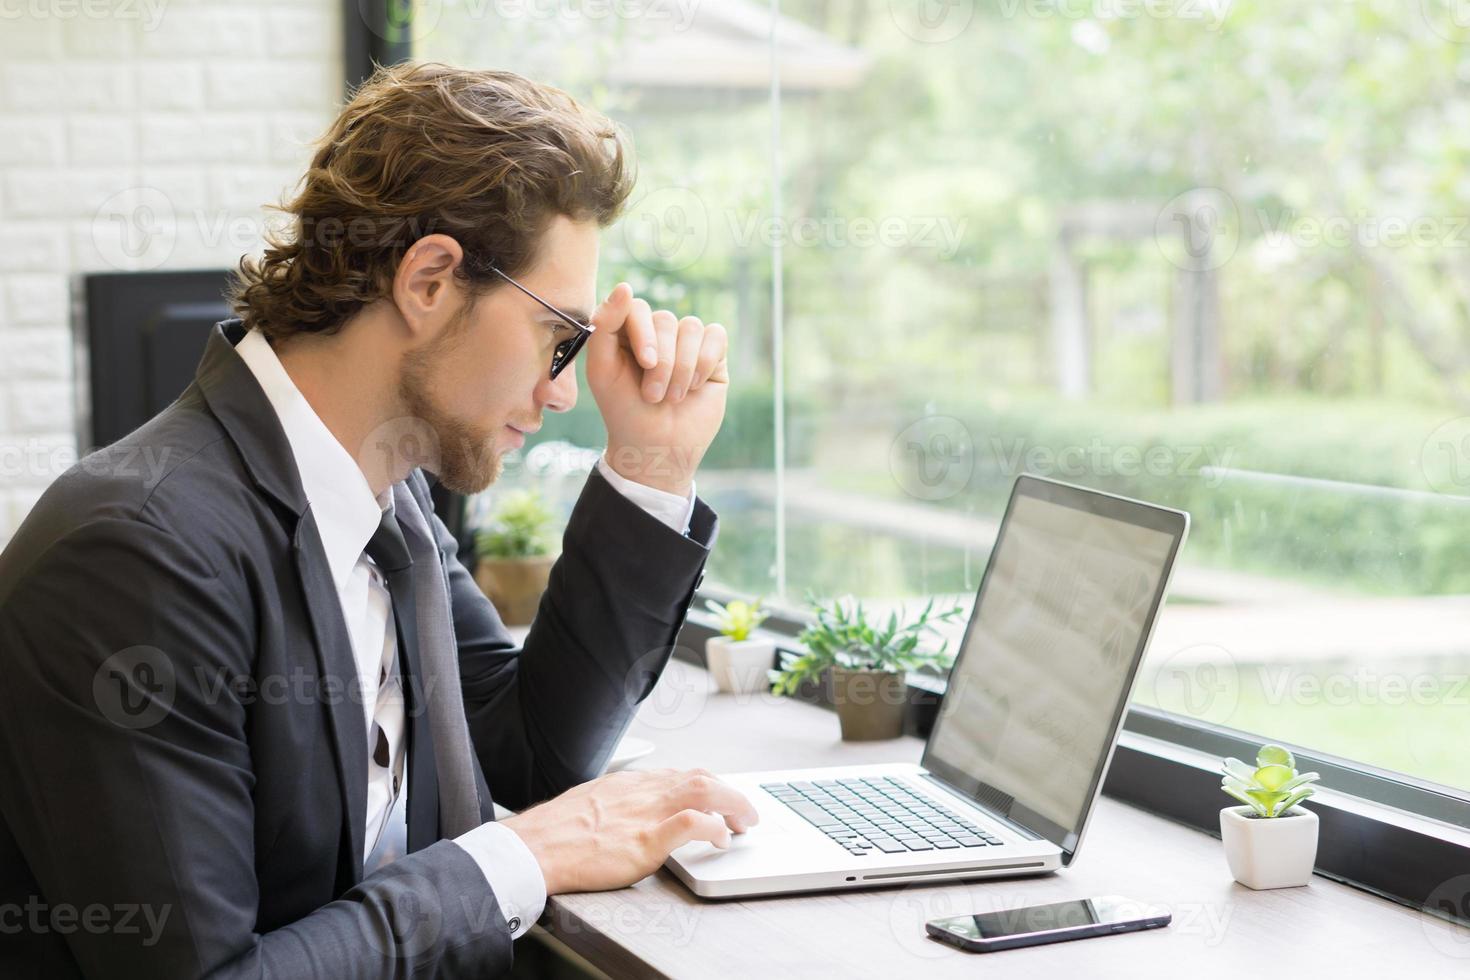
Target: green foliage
x=521 y=527
x=843 y=637
x=1273 y=787
x=739 y=618
x=1225 y=463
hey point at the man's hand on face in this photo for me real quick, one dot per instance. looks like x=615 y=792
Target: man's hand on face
x=660 y=383
x=618 y=829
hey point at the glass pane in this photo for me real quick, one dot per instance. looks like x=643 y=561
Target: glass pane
x=1208 y=255
x=1216 y=264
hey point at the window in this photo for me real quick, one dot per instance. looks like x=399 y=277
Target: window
x=1213 y=255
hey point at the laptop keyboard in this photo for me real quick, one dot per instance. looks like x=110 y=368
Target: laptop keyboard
x=881 y=814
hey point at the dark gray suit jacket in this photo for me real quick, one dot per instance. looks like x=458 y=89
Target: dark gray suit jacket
x=182 y=767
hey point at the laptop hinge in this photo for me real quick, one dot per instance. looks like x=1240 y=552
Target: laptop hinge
x=1025 y=832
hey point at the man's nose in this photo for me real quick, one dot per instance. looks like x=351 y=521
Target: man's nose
x=559 y=395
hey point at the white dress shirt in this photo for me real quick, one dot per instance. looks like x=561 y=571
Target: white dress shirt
x=347 y=514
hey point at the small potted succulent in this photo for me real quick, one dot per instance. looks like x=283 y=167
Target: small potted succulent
x=514 y=556
x=1270 y=842
x=739 y=662
x=866 y=663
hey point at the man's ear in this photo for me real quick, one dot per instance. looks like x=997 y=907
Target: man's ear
x=424 y=288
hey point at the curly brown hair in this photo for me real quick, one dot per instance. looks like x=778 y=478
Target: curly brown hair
x=486 y=157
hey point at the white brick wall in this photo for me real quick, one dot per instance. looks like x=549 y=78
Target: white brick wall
x=200 y=109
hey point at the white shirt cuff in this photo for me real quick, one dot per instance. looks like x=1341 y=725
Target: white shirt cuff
x=670 y=508
x=512 y=872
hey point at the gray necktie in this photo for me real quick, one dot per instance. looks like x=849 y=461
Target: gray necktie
x=410 y=556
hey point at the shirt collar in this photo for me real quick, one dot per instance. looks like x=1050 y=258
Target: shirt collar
x=338 y=494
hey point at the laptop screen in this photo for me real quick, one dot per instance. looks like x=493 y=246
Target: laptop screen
x=1044 y=673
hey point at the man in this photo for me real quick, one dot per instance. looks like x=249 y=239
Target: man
x=254 y=711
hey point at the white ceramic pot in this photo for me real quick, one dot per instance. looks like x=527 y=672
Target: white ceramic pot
x=1269 y=852
x=740 y=666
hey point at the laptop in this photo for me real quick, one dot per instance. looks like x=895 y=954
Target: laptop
x=1021 y=743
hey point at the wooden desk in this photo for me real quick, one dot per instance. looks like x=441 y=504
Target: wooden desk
x=659 y=929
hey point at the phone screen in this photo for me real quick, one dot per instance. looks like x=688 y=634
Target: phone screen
x=1044 y=918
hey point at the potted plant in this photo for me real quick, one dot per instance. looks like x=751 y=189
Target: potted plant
x=514 y=556
x=739 y=663
x=865 y=663
x=1270 y=842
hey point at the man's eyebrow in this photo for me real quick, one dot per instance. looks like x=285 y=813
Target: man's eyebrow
x=580 y=315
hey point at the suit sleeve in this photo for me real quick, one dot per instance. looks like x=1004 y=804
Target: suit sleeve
x=547 y=717
x=128 y=781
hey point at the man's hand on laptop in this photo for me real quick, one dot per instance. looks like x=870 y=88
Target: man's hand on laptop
x=613 y=831
x=660 y=382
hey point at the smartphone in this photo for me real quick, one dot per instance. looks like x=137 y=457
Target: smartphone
x=1035 y=925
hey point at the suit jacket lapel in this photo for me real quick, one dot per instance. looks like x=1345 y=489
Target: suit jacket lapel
x=338 y=673
x=243 y=410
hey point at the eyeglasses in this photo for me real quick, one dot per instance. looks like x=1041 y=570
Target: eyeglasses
x=567 y=349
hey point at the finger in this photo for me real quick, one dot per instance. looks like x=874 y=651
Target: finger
x=712 y=352
x=688 y=825
x=656 y=381
x=689 y=340
x=702 y=791
x=624 y=320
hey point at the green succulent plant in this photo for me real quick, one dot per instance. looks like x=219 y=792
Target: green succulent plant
x=1273 y=787
x=738 y=619
x=519 y=528
x=842 y=636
